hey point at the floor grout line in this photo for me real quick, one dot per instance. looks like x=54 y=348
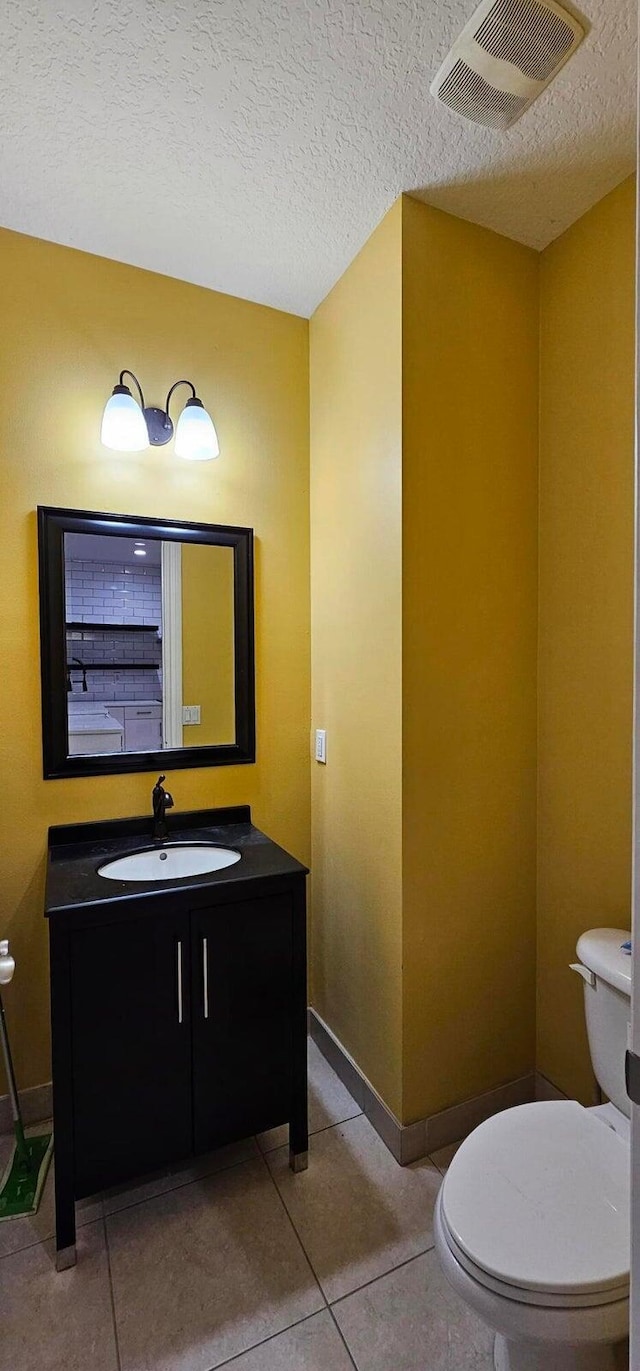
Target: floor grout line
x=206 y=1175
x=340 y=1123
x=295 y=1231
x=383 y=1274
x=397 y=1267
x=42 y=1242
x=180 y=1185
x=431 y=1158
x=330 y=1304
x=220 y=1366
x=313 y=1133
x=133 y=1204
x=111 y=1294
x=343 y=1339
x=297 y=1323
x=37 y=1242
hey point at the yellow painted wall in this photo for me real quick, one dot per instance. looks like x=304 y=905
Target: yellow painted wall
x=586 y=587
x=70 y=322
x=470 y=364
x=207 y=643
x=423 y=531
x=355 y=371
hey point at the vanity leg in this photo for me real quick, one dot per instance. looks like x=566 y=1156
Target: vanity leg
x=66 y=1257
x=298 y=1161
x=299 y=1122
x=65 y=1225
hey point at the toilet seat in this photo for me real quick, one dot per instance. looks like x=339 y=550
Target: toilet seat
x=535 y=1206
x=536 y=1298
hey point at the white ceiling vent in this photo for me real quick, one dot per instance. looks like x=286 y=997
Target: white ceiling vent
x=508 y=52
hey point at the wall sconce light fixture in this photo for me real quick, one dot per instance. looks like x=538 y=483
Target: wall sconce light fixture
x=130 y=427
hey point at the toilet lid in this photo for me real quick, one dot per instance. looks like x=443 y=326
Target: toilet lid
x=538 y=1196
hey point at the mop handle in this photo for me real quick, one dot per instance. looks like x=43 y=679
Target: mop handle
x=7 y=968
x=11 y=1080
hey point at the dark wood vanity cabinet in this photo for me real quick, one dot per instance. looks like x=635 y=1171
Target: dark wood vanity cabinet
x=242 y=1018
x=130 y=1045
x=179 y=1024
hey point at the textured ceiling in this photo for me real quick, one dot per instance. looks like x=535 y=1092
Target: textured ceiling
x=253 y=145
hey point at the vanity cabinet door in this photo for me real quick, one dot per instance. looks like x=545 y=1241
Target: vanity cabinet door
x=131 y=1048
x=243 y=1005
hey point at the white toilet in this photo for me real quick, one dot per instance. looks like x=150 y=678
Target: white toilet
x=532 y=1218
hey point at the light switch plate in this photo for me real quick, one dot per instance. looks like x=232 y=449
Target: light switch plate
x=191 y=714
x=321 y=745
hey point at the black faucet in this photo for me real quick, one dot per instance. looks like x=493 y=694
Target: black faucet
x=162 y=801
x=84 y=674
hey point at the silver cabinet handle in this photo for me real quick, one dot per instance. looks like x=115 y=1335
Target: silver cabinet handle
x=205 y=978
x=179 y=982
x=140 y=712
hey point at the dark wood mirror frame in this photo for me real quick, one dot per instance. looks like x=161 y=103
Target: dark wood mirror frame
x=52 y=526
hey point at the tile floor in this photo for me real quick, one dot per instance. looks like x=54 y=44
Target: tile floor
x=235 y=1262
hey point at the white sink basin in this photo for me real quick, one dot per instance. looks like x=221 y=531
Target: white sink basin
x=169 y=863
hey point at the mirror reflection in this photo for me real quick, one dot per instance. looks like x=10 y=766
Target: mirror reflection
x=149 y=644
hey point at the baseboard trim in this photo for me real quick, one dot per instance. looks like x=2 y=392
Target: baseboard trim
x=36 y=1104
x=409 y=1142
x=453 y=1124
x=546 y=1090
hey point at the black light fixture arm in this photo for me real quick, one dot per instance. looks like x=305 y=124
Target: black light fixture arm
x=134 y=378
x=159 y=423
x=175 y=387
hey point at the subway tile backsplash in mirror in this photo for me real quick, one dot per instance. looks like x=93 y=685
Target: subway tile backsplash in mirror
x=97 y=648
x=114 y=595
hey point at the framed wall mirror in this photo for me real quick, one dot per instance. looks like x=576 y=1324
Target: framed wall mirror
x=147 y=644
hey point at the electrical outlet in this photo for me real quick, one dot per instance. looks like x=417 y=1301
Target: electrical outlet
x=191 y=714
x=321 y=745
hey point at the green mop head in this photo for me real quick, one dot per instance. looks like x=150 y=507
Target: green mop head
x=26 y=1173
x=21 y=1185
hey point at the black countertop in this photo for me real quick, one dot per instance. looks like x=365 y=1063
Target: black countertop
x=77 y=850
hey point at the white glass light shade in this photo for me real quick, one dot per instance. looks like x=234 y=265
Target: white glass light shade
x=123 y=424
x=196 y=437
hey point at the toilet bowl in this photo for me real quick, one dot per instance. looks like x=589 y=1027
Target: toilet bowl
x=532 y=1219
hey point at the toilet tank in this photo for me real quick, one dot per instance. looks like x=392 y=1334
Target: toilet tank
x=606 y=971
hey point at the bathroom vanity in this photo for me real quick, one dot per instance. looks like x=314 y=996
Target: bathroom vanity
x=178 y=1004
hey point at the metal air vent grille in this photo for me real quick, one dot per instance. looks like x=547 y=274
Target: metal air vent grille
x=502 y=61
x=528 y=34
x=468 y=93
